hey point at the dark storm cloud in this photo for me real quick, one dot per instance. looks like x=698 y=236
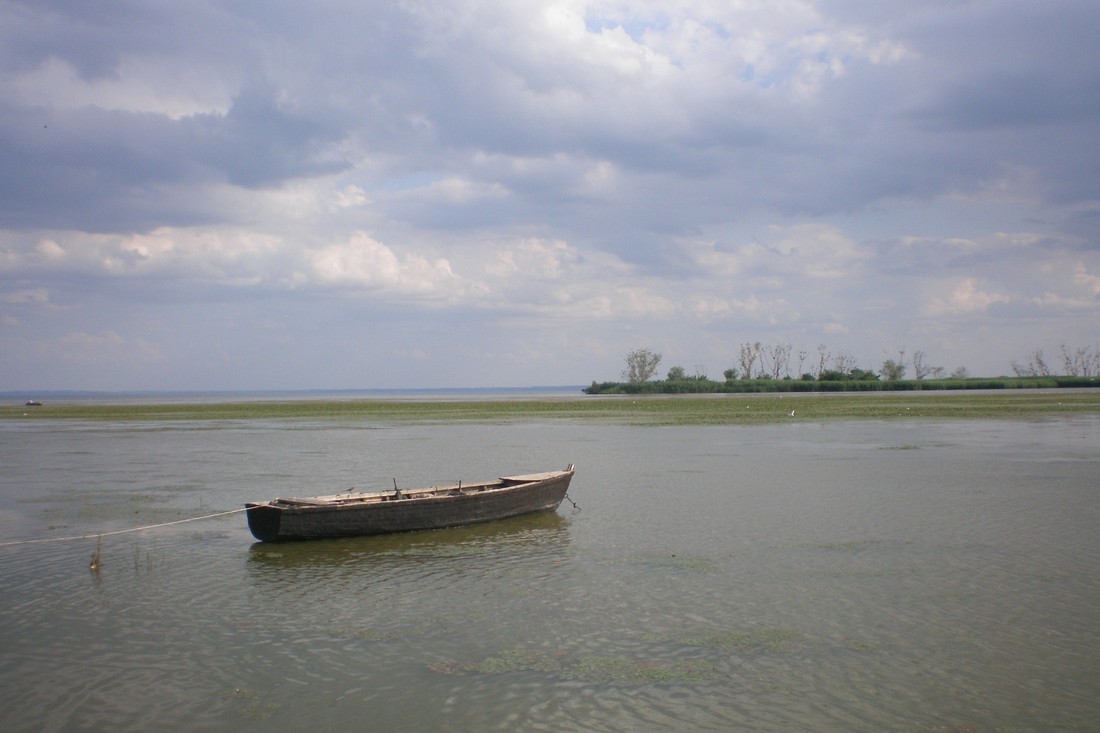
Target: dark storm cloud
x=101 y=170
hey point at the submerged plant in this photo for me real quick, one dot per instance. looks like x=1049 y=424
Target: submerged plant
x=764 y=638
x=513 y=660
x=621 y=669
x=639 y=671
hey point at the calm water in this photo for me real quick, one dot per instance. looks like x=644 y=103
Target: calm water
x=849 y=577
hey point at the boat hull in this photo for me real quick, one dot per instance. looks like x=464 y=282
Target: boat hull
x=283 y=520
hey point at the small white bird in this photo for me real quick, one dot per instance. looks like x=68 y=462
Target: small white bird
x=790 y=414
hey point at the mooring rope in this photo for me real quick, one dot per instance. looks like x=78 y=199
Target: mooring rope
x=117 y=531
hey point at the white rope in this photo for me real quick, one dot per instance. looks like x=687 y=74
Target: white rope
x=118 y=531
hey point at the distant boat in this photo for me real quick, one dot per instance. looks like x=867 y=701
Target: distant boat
x=33 y=403
x=405 y=510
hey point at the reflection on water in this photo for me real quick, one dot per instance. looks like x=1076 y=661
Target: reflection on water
x=537 y=530
x=910 y=577
x=436 y=559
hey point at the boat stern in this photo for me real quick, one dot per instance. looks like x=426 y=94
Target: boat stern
x=263 y=521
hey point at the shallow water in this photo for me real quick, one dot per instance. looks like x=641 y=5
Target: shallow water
x=859 y=576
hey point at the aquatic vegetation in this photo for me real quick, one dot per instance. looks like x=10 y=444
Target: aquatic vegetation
x=635 y=671
x=965 y=729
x=761 y=639
x=443 y=551
x=656 y=410
x=520 y=660
x=138 y=560
x=850 y=546
x=513 y=660
x=251 y=706
x=589 y=668
x=632 y=669
x=685 y=562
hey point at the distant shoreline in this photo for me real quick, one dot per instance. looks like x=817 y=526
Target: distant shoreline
x=708 y=409
x=110 y=397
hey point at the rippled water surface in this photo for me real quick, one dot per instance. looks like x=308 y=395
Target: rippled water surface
x=863 y=576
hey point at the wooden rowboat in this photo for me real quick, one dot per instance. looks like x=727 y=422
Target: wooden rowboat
x=405 y=510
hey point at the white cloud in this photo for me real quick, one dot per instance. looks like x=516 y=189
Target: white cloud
x=179 y=252
x=533 y=260
x=363 y=262
x=349 y=196
x=819 y=251
x=638 y=302
x=965 y=298
x=50 y=249
x=788 y=255
x=455 y=190
x=1082 y=276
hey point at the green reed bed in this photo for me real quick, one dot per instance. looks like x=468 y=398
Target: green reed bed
x=633 y=410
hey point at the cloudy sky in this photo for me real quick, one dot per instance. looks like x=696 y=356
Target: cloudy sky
x=445 y=193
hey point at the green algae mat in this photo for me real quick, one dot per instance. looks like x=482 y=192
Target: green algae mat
x=627 y=410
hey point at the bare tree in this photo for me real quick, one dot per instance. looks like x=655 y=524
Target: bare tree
x=1035 y=367
x=765 y=369
x=822 y=359
x=749 y=355
x=844 y=363
x=922 y=370
x=960 y=373
x=1082 y=361
x=641 y=365
x=919 y=370
x=1041 y=368
x=780 y=356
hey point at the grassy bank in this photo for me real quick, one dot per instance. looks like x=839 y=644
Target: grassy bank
x=639 y=410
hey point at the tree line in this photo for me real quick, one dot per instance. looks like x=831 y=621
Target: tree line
x=779 y=367
x=1076 y=362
